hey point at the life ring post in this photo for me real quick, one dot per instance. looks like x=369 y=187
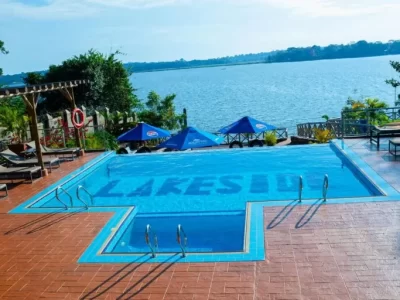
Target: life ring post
x=77 y=113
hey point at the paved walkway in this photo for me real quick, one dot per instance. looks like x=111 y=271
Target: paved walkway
x=318 y=252
x=385 y=164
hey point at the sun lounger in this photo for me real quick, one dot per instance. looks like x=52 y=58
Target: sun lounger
x=4 y=187
x=377 y=132
x=19 y=173
x=56 y=151
x=15 y=160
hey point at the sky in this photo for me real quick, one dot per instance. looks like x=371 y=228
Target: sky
x=39 y=33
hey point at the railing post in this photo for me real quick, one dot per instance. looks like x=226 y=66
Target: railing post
x=325 y=186
x=343 y=123
x=300 y=187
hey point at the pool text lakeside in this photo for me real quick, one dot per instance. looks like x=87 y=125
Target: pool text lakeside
x=207 y=185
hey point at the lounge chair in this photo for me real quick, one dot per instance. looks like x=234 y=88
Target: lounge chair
x=388 y=130
x=20 y=173
x=56 y=152
x=15 y=160
x=4 y=187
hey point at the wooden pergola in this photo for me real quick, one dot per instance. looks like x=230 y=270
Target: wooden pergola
x=30 y=95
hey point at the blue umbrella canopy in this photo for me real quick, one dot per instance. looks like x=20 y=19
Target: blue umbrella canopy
x=143 y=132
x=247 y=125
x=191 y=138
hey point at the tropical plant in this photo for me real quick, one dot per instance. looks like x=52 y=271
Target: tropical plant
x=395 y=83
x=13 y=123
x=160 y=112
x=101 y=140
x=323 y=136
x=270 y=138
x=325 y=117
x=371 y=109
x=3 y=51
x=15 y=103
x=117 y=123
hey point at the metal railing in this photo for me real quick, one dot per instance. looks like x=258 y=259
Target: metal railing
x=325 y=186
x=58 y=196
x=307 y=130
x=179 y=234
x=80 y=187
x=353 y=123
x=281 y=133
x=147 y=237
x=300 y=187
x=359 y=122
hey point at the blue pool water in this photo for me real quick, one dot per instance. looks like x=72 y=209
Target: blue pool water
x=213 y=232
x=207 y=192
x=217 y=180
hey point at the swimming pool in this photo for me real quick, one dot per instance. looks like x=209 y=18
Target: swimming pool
x=209 y=193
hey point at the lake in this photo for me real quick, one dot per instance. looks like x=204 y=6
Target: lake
x=282 y=94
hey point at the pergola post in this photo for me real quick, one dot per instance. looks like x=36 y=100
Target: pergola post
x=31 y=103
x=69 y=95
x=30 y=96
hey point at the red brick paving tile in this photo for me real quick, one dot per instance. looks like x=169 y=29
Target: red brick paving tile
x=217 y=288
x=223 y=297
x=178 y=297
x=200 y=297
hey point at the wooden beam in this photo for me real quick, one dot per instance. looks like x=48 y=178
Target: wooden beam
x=39 y=88
x=67 y=95
x=35 y=131
x=27 y=102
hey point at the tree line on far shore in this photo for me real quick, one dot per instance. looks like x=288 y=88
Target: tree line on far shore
x=292 y=54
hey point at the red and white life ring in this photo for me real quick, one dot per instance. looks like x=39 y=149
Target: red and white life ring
x=81 y=116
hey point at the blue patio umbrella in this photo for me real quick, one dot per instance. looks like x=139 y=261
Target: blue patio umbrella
x=247 y=125
x=143 y=132
x=191 y=138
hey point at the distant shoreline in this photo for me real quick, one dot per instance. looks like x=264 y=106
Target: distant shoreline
x=255 y=63
x=202 y=67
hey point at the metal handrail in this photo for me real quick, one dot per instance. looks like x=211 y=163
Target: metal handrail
x=300 y=187
x=81 y=187
x=180 y=232
x=58 y=197
x=325 y=187
x=153 y=247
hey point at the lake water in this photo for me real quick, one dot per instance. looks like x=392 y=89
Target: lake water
x=283 y=94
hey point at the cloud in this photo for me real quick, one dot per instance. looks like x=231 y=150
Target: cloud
x=56 y=9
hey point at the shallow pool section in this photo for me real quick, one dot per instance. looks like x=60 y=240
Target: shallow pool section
x=205 y=232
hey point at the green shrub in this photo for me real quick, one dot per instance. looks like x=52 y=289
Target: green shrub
x=270 y=138
x=323 y=135
x=101 y=140
x=70 y=143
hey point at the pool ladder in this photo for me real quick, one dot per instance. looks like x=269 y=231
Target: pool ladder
x=153 y=245
x=325 y=187
x=180 y=234
x=60 y=189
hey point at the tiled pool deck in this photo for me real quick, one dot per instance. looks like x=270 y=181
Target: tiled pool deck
x=338 y=251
